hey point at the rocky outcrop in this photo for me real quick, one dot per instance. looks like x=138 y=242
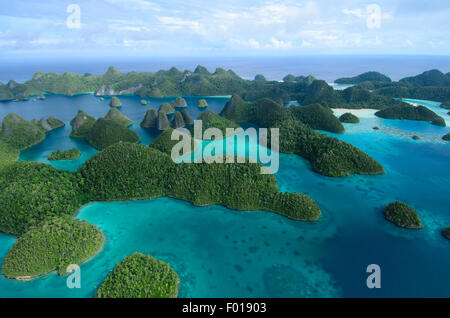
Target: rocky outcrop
x=81 y=125
x=202 y=103
x=162 y=122
x=167 y=108
x=187 y=119
x=178 y=121
x=179 y=102
x=45 y=125
x=150 y=119
x=115 y=115
x=109 y=91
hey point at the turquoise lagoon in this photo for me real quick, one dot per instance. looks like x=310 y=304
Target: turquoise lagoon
x=219 y=252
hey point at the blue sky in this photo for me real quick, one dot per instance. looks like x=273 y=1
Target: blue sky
x=203 y=28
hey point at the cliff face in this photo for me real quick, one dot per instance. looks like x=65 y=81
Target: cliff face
x=81 y=124
x=150 y=119
x=45 y=125
x=109 y=91
x=178 y=121
x=162 y=122
x=187 y=119
x=116 y=116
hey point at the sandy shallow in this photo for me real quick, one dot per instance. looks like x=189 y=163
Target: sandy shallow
x=364 y=113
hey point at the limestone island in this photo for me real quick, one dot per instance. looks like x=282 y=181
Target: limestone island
x=180 y=102
x=144 y=102
x=115 y=102
x=420 y=113
x=349 y=118
x=202 y=103
x=446 y=137
x=70 y=154
x=140 y=276
x=402 y=215
x=167 y=108
x=52 y=245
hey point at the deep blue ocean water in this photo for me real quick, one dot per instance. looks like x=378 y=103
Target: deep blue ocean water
x=219 y=252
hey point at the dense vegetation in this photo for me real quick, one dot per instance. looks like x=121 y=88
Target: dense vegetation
x=211 y=120
x=81 y=125
x=167 y=108
x=402 y=215
x=445 y=105
x=127 y=171
x=162 y=122
x=365 y=77
x=412 y=113
x=150 y=118
x=317 y=117
x=106 y=132
x=140 y=276
x=446 y=137
x=52 y=245
x=179 y=102
x=19 y=133
x=187 y=119
x=164 y=142
x=115 y=115
x=202 y=103
x=328 y=156
x=349 y=118
x=31 y=192
x=70 y=154
x=115 y=102
x=178 y=121
x=432 y=85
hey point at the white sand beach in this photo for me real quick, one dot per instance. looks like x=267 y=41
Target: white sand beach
x=362 y=113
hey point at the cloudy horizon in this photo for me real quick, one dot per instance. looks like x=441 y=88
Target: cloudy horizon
x=176 y=28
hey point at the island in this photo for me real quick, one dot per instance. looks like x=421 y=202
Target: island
x=162 y=122
x=445 y=105
x=202 y=103
x=178 y=120
x=167 y=108
x=150 y=118
x=115 y=115
x=365 y=77
x=410 y=112
x=17 y=134
x=106 y=132
x=328 y=156
x=180 y=102
x=187 y=119
x=317 y=117
x=52 y=245
x=115 y=102
x=81 y=125
x=446 y=137
x=140 y=276
x=402 y=215
x=349 y=118
x=211 y=120
x=165 y=144
x=70 y=154
x=144 y=102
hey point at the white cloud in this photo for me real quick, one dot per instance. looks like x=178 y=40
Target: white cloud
x=178 y=23
x=136 y=4
x=279 y=44
x=356 y=12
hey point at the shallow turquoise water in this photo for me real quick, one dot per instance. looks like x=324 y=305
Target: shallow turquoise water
x=224 y=253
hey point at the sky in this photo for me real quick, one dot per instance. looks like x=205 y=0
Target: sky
x=223 y=28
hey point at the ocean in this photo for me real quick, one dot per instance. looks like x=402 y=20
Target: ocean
x=219 y=252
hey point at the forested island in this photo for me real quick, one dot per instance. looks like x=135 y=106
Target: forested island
x=402 y=215
x=52 y=245
x=328 y=156
x=140 y=276
x=104 y=131
x=70 y=154
x=412 y=113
